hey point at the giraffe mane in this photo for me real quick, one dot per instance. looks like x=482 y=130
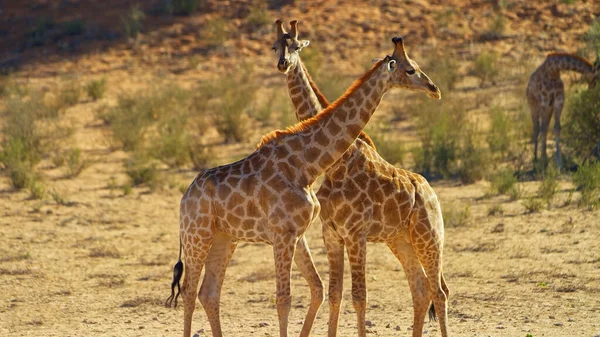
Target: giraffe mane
x=325 y=103
x=570 y=55
x=307 y=123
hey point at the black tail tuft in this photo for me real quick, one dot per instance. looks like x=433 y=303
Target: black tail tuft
x=177 y=272
x=432 y=315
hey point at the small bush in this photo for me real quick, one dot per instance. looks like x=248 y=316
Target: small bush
x=74 y=27
x=258 y=18
x=75 y=163
x=495 y=210
x=592 y=38
x=503 y=182
x=587 y=180
x=549 y=186
x=38 y=36
x=180 y=7
x=133 y=21
x=215 y=32
x=96 y=89
x=498 y=136
x=582 y=131
x=485 y=67
x=392 y=151
x=37 y=189
x=443 y=68
x=473 y=159
x=69 y=94
x=533 y=205
x=130 y=119
x=495 y=29
x=142 y=171
x=455 y=217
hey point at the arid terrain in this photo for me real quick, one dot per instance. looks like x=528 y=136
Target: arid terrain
x=93 y=255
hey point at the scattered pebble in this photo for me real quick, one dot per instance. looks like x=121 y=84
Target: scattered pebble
x=263 y=324
x=558 y=324
x=499 y=327
x=389 y=325
x=155 y=318
x=570 y=319
x=397 y=328
x=369 y=324
x=551 y=317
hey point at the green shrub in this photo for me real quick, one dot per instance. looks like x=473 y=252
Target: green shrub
x=392 y=151
x=485 y=67
x=130 y=119
x=443 y=68
x=133 y=21
x=499 y=137
x=495 y=29
x=592 y=38
x=69 y=94
x=455 y=217
x=75 y=163
x=533 y=205
x=40 y=33
x=142 y=171
x=495 y=210
x=215 y=32
x=258 y=18
x=37 y=189
x=587 y=180
x=473 y=159
x=549 y=186
x=74 y=27
x=96 y=89
x=582 y=130
x=180 y=7
x=503 y=182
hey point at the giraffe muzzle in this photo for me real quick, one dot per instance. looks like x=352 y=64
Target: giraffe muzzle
x=283 y=65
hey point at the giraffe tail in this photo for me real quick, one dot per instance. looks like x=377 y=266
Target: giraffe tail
x=432 y=314
x=177 y=272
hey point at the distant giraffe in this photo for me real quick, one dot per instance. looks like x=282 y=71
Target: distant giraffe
x=366 y=199
x=267 y=197
x=546 y=96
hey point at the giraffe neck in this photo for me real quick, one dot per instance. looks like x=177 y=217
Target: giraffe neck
x=556 y=63
x=328 y=135
x=306 y=97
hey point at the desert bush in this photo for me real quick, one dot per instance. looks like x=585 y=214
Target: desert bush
x=37 y=189
x=485 y=67
x=495 y=28
x=503 y=182
x=532 y=205
x=133 y=22
x=69 y=94
x=236 y=91
x=443 y=68
x=495 y=210
x=391 y=150
x=129 y=120
x=549 y=186
x=498 y=137
x=587 y=180
x=75 y=163
x=215 y=32
x=142 y=171
x=74 y=27
x=582 y=130
x=455 y=217
x=592 y=38
x=40 y=33
x=472 y=157
x=96 y=88
x=179 y=7
x=258 y=18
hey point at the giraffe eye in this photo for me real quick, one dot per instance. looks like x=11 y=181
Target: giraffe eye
x=410 y=71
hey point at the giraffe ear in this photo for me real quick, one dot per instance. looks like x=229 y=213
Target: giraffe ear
x=303 y=43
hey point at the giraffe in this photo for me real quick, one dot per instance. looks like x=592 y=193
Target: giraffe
x=366 y=199
x=546 y=96
x=267 y=196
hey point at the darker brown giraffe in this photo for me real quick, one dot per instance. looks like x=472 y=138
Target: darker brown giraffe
x=267 y=196
x=366 y=199
x=546 y=96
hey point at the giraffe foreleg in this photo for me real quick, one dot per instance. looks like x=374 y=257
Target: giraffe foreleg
x=357 y=254
x=306 y=265
x=218 y=258
x=284 y=247
x=334 y=246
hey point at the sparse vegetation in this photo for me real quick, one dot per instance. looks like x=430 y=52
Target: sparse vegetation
x=142 y=171
x=549 y=186
x=582 y=130
x=587 y=180
x=392 y=151
x=495 y=210
x=75 y=163
x=96 y=88
x=456 y=217
x=503 y=182
x=532 y=205
x=485 y=67
x=133 y=22
x=215 y=32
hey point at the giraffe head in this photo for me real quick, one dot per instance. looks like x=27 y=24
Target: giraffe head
x=287 y=46
x=406 y=74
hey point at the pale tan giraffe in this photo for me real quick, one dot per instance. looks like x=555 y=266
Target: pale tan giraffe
x=366 y=199
x=267 y=197
x=546 y=96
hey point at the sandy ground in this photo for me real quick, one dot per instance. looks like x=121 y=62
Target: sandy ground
x=99 y=263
